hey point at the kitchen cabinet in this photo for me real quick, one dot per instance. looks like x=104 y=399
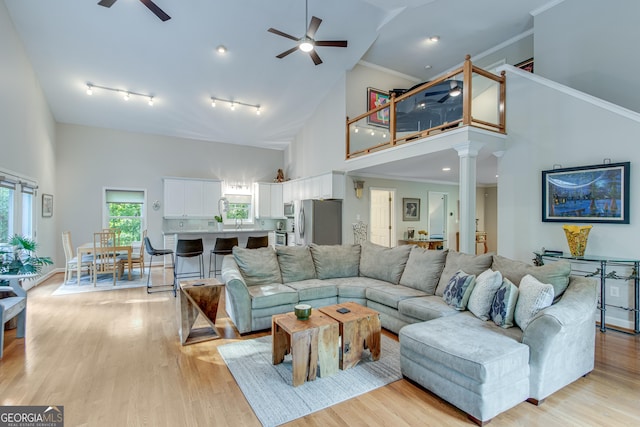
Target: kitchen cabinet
x=191 y=198
x=268 y=200
x=326 y=186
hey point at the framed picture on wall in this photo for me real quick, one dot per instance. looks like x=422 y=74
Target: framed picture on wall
x=526 y=65
x=47 y=205
x=376 y=98
x=587 y=194
x=410 y=209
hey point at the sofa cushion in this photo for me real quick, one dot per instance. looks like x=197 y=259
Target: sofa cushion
x=484 y=291
x=556 y=273
x=504 y=304
x=533 y=296
x=471 y=264
x=423 y=269
x=457 y=292
x=295 y=263
x=272 y=295
x=314 y=289
x=382 y=263
x=258 y=266
x=425 y=308
x=336 y=260
x=355 y=287
x=391 y=295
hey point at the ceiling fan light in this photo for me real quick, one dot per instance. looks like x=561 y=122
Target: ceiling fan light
x=306 y=45
x=258 y=112
x=126 y=96
x=233 y=106
x=221 y=49
x=213 y=102
x=455 y=91
x=89 y=90
x=150 y=101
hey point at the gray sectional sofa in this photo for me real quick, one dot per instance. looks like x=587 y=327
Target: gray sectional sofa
x=481 y=331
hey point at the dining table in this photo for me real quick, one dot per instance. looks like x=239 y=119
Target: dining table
x=87 y=249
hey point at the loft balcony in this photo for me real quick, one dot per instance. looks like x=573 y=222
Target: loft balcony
x=467 y=96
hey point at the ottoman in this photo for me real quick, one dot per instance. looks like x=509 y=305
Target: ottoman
x=468 y=362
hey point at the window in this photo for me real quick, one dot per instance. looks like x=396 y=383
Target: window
x=125 y=210
x=240 y=209
x=6 y=212
x=17 y=207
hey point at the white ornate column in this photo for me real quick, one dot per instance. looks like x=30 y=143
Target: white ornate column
x=468 y=153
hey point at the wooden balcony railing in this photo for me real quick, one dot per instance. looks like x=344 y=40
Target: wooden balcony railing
x=430 y=109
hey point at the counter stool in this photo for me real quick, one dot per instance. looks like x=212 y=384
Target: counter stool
x=223 y=246
x=257 y=242
x=158 y=252
x=189 y=249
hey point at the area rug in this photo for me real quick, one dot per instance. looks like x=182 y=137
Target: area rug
x=270 y=392
x=103 y=283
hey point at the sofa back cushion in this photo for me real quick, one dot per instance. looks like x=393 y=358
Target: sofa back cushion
x=382 y=263
x=295 y=263
x=555 y=273
x=423 y=269
x=258 y=266
x=334 y=261
x=471 y=264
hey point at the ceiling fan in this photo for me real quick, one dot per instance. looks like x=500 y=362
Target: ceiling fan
x=307 y=43
x=150 y=5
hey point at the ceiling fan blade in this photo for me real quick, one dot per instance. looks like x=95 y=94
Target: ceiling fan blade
x=332 y=43
x=287 y=52
x=106 y=3
x=280 y=33
x=444 y=98
x=313 y=26
x=316 y=58
x=156 y=10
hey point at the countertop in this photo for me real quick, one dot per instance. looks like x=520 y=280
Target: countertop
x=225 y=231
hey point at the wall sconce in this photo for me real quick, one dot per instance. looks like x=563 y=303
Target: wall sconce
x=358 y=185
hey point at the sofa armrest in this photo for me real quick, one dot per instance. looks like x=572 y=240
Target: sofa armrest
x=561 y=338
x=237 y=298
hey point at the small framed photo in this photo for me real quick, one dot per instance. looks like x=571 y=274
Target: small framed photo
x=47 y=205
x=410 y=209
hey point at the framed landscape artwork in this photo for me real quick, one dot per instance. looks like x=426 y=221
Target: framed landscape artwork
x=376 y=98
x=410 y=209
x=587 y=194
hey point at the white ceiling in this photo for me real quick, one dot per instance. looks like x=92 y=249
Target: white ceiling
x=74 y=42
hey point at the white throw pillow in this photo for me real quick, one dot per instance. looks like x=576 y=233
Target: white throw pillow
x=484 y=291
x=533 y=297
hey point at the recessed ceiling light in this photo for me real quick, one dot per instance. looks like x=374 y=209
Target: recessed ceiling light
x=221 y=49
x=434 y=38
x=446 y=169
x=427 y=67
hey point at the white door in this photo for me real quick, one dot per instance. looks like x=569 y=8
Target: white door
x=381 y=214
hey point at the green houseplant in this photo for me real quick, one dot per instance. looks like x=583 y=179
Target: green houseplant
x=218 y=219
x=19 y=257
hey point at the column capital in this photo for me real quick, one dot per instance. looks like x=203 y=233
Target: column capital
x=468 y=149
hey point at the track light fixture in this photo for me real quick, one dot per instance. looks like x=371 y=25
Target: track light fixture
x=234 y=104
x=126 y=94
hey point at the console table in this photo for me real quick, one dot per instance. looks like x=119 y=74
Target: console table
x=602 y=263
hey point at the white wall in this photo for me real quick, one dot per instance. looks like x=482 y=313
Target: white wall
x=90 y=159
x=27 y=129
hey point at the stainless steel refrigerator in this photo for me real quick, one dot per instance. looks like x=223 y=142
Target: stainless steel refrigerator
x=320 y=222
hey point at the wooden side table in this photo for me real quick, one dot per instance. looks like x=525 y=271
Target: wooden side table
x=311 y=342
x=199 y=296
x=359 y=329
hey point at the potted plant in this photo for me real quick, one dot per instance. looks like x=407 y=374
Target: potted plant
x=218 y=219
x=19 y=257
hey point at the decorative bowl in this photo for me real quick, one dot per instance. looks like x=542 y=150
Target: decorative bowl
x=302 y=311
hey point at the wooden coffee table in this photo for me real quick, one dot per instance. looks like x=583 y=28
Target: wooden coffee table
x=199 y=296
x=359 y=329
x=310 y=342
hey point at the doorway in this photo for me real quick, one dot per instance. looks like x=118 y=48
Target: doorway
x=382 y=216
x=438 y=215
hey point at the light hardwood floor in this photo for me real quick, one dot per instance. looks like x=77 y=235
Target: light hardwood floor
x=114 y=359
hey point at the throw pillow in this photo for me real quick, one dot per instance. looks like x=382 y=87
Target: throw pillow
x=533 y=297
x=382 y=263
x=457 y=291
x=258 y=266
x=334 y=261
x=472 y=264
x=504 y=304
x=484 y=291
x=295 y=263
x=555 y=273
x=423 y=269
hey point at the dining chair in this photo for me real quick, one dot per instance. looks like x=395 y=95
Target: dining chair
x=257 y=242
x=105 y=256
x=223 y=246
x=13 y=307
x=71 y=260
x=151 y=251
x=136 y=258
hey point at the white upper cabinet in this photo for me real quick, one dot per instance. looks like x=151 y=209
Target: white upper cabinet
x=326 y=186
x=191 y=198
x=269 y=200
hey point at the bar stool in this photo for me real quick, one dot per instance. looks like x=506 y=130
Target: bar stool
x=158 y=252
x=223 y=246
x=189 y=249
x=257 y=242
